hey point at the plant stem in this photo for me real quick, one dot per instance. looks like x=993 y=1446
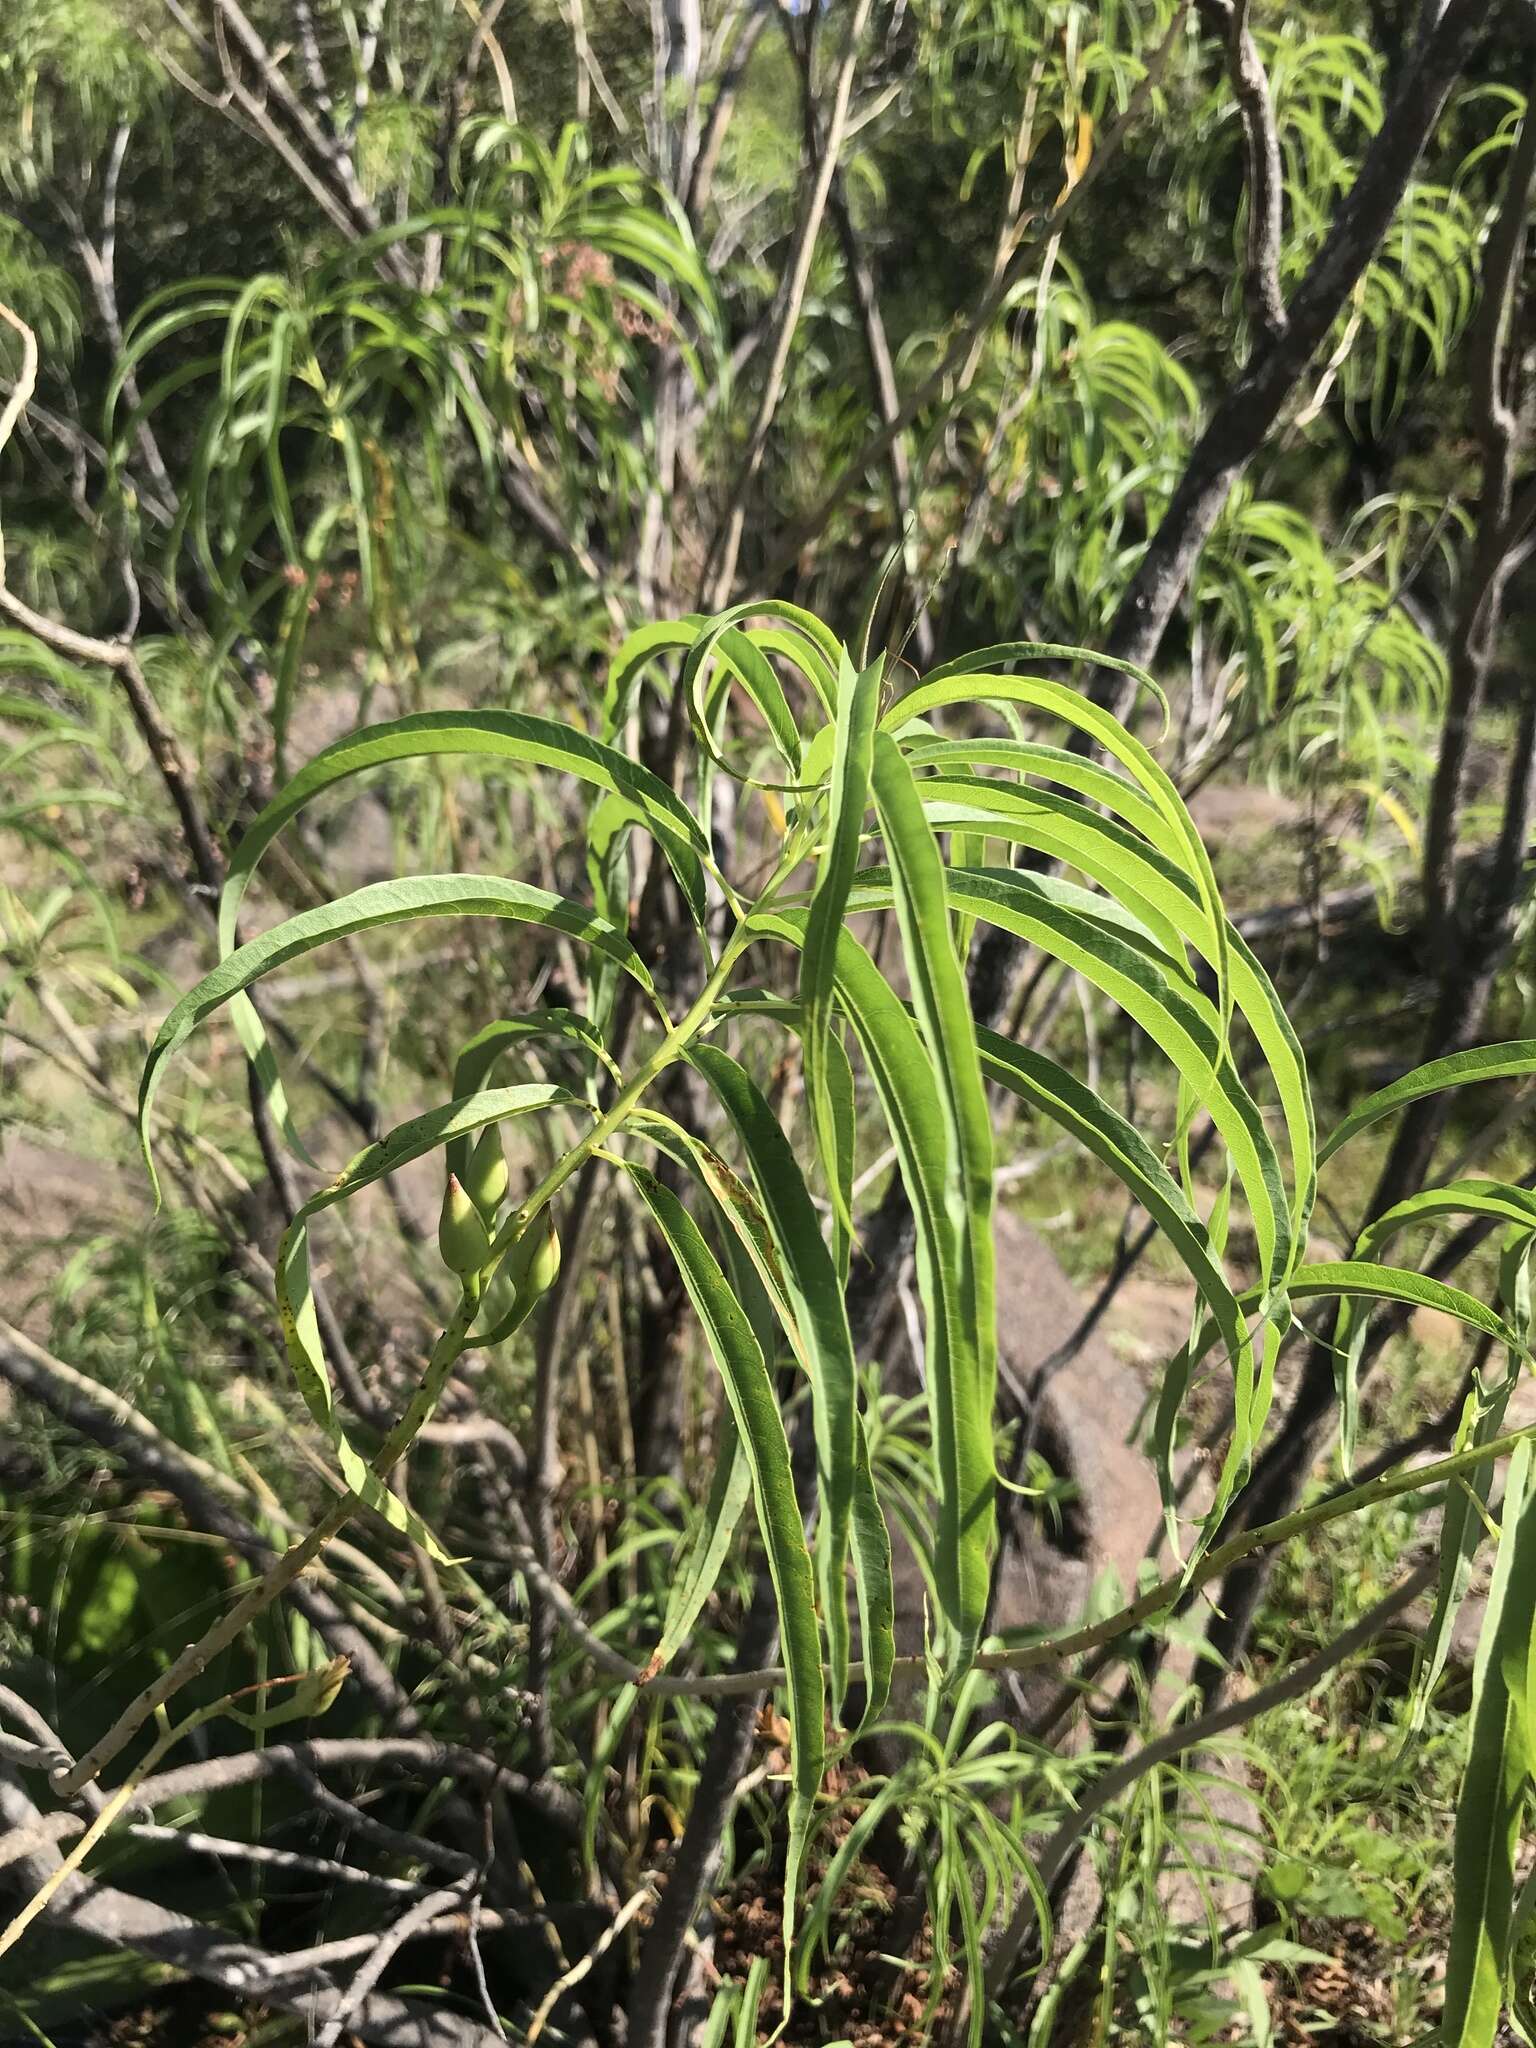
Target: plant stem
x=196 y=1657
x=688 y=1028
x=1162 y=1597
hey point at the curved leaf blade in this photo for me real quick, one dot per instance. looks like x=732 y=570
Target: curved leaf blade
x=381 y=903
x=1516 y=1058
x=963 y=1374
x=488 y=735
x=815 y=1296
x=1499 y=1770
x=749 y=1388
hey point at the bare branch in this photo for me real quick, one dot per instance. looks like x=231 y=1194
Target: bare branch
x=877 y=347
x=1239 y=424
x=421 y=1756
x=314 y=68
x=212 y=1500
x=382 y=1953
x=1293 y=1684
x=122 y=1920
x=21 y=392
x=701 y=181
x=1245 y=67
x=1480 y=609
x=721 y=1771
x=960 y=348
x=722 y=576
x=584 y=1966
x=330 y=153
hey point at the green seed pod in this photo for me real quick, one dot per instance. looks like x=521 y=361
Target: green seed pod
x=485 y=1175
x=535 y=1259
x=462 y=1237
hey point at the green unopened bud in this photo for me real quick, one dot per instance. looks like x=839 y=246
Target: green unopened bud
x=462 y=1237
x=485 y=1175
x=535 y=1259
x=313 y=1693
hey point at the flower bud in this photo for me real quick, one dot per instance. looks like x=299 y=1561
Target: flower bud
x=462 y=1237
x=485 y=1174
x=535 y=1259
x=317 y=1690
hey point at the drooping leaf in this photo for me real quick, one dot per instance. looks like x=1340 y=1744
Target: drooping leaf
x=963 y=1375
x=1498 y=1776
x=729 y=1491
x=1514 y=1060
x=825 y=1344
x=381 y=903
x=482 y=735
x=749 y=1388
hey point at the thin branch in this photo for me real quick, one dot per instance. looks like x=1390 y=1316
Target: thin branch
x=420 y=1755
x=882 y=368
x=382 y=1952
x=21 y=393
x=1173 y=1591
x=589 y=73
x=100 y=264
x=1293 y=1684
x=164 y=749
x=1480 y=608
x=958 y=353
x=212 y=1500
x=1245 y=67
x=721 y=1771
x=60 y=1827
x=314 y=67
x=331 y=153
x=121 y=1920
x=701 y=180
x=581 y=1969
x=1240 y=424
x=261 y=124
x=722 y=577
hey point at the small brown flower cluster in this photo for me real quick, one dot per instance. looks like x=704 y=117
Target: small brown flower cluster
x=340 y=590
x=578 y=265
x=635 y=322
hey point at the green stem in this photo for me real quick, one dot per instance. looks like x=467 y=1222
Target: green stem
x=449 y=1347
x=1267 y=1536
x=672 y=1045
x=196 y=1657
x=1162 y=1597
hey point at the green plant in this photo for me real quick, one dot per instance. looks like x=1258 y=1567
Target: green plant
x=844 y=745
x=380 y=394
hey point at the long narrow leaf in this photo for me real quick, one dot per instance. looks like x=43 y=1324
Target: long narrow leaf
x=381 y=903
x=750 y=1391
x=816 y=1298
x=858 y=707
x=1514 y=1059
x=486 y=735
x=1497 y=1779
x=963 y=1372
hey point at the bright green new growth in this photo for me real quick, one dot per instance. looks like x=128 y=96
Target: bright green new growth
x=462 y=1238
x=534 y=1260
x=485 y=1177
x=907 y=819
